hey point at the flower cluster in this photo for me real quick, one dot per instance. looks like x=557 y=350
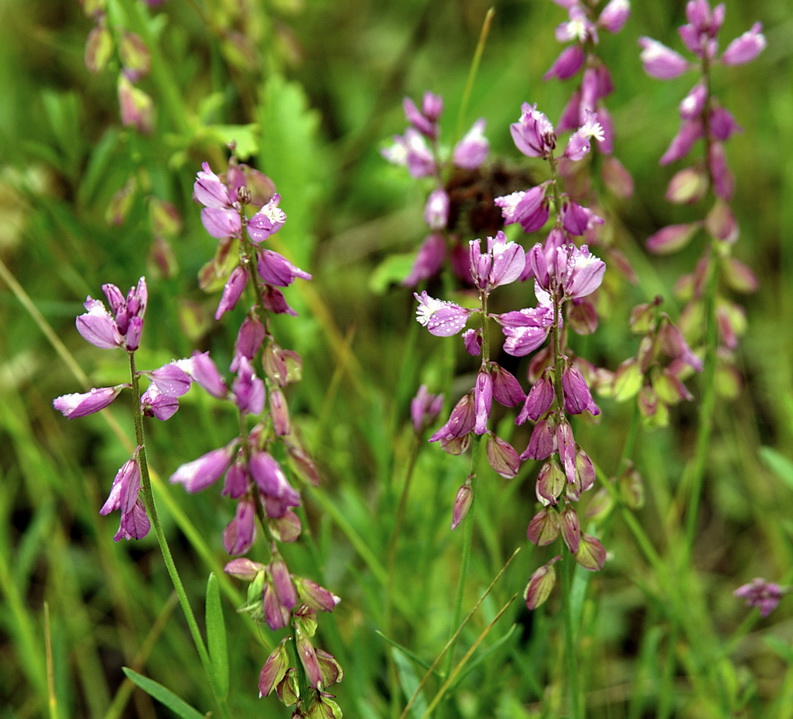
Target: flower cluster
x=564 y=276
x=761 y=594
x=703 y=118
x=581 y=29
x=419 y=150
x=121 y=328
x=225 y=200
x=253 y=464
x=656 y=374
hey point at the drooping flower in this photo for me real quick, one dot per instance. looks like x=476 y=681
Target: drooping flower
x=441 y=318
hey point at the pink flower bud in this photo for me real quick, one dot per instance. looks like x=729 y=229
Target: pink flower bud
x=205 y=373
x=544 y=527
x=567 y=64
x=429 y=260
x=241 y=531
x=470 y=152
x=232 y=291
x=660 y=61
x=540 y=584
x=571 y=532
x=274 y=669
x=483 y=400
x=462 y=503
x=276 y=270
x=502 y=457
x=436 y=211
x=746 y=47
x=205 y=470
x=591 y=553
x=761 y=594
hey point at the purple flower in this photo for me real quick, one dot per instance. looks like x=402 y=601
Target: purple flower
x=411 y=151
x=210 y=191
x=221 y=223
x=579 y=273
x=460 y=422
x=746 y=47
x=277 y=270
x=567 y=64
x=170 y=379
x=660 y=61
x=123 y=327
x=525 y=330
x=249 y=340
x=470 y=152
x=267 y=221
x=761 y=594
x=426 y=119
x=533 y=134
x=73 y=406
x=501 y=264
x=483 y=400
x=279 y=495
x=205 y=470
x=154 y=403
x=232 y=291
x=247 y=389
x=538 y=401
x=436 y=211
x=579 y=142
x=614 y=15
x=424 y=408
x=529 y=208
x=428 y=261
x=241 y=531
x=577 y=397
x=205 y=373
x=442 y=319
x=126 y=485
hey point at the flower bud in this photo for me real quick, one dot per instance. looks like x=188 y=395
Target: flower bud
x=543 y=527
x=462 y=503
x=540 y=584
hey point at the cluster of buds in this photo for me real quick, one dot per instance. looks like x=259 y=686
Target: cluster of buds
x=420 y=151
x=121 y=328
x=656 y=374
x=253 y=477
x=277 y=597
x=102 y=45
x=703 y=118
x=581 y=30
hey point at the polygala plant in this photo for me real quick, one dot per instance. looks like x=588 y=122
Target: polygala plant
x=527 y=252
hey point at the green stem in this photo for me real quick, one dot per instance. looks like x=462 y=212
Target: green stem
x=696 y=476
x=570 y=643
x=473 y=70
x=170 y=565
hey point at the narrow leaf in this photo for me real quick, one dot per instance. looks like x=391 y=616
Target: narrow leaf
x=165 y=696
x=216 y=638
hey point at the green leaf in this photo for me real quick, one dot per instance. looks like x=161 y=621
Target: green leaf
x=392 y=270
x=780 y=465
x=216 y=638
x=409 y=682
x=245 y=137
x=163 y=695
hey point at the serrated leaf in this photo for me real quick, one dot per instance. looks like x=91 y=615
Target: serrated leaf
x=244 y=136
x=216 y=638
x=163 y=695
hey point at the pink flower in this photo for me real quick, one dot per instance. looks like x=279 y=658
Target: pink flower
x=660 y=61
x=501 y=264
x=533 y=134
x=441 y=318
x=73 y=406
x=761 y=594
x=470 y=152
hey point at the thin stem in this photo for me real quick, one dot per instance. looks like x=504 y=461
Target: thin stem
x=170 y=565
x=473 y=70
x=705 y=429
x=570 y=644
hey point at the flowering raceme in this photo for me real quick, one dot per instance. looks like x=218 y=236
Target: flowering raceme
x=121 y=328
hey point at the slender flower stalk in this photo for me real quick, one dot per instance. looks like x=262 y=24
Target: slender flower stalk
x=703 y=118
